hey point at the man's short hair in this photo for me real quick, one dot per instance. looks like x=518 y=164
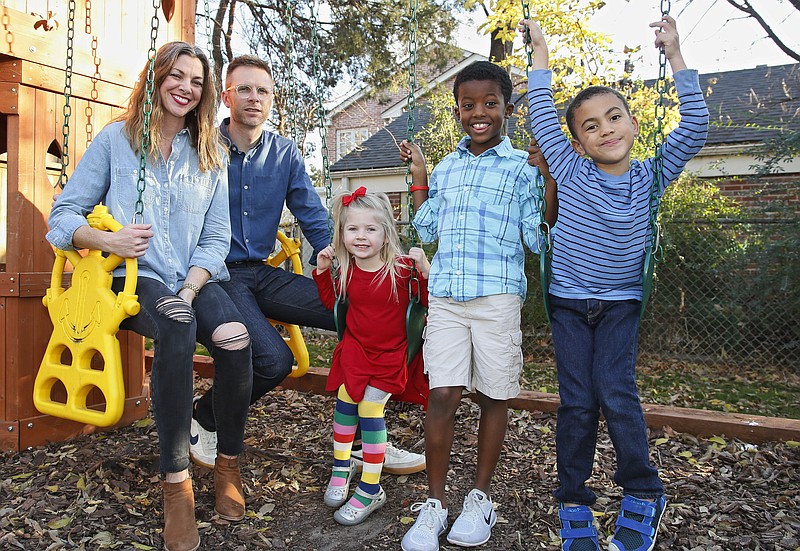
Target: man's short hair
x=484 y=70
x=247 y=61
x=587 y=94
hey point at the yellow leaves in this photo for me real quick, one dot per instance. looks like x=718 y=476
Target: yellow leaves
x=21 y=476
x=793 y=443
x=685 y=454
x=405 y=521
x=81 y=484
x=137 y=545
x=144 y=423
x=660 y=441
x=59 y=523
x=718 y=440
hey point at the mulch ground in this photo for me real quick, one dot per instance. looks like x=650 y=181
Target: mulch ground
x=101 y=491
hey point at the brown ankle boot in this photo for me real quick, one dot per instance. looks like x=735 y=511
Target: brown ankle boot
x=228 y=489
x=180 y=529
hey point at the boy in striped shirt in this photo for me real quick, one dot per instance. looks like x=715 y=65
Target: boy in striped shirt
x=596 y=286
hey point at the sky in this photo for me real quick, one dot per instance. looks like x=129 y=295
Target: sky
x=713 y=34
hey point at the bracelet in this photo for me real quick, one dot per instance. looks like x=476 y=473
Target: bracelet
x=192 y=287
x=418 y=188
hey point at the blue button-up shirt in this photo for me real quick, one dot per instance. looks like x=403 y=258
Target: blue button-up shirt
x=260 y=180
x=478 y=207
x=187 y=208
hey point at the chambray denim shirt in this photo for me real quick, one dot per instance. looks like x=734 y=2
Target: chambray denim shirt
x=478 y=207
x=188 y=208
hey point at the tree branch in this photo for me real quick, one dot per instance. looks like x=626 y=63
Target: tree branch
x=745 y=7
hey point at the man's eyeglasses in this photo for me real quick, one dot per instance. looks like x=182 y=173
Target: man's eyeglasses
x=244 y=91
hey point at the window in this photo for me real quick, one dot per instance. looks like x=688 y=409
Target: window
x=347 y=140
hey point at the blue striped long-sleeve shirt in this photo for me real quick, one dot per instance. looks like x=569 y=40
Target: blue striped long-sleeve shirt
x=478 y=207
x=603 y=220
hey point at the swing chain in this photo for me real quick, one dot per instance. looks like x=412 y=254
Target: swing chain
x=321 y=114
x=209 y=37
x=545 y=239
x=291 y=89
x=67 y=110
x=147 y=111
x=654 y=240
x=411 y=111
x=326 y=169
x=526 y=14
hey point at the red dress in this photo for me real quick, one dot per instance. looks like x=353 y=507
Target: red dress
x=373 y=348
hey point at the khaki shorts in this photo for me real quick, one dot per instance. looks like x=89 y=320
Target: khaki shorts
x=476 y=344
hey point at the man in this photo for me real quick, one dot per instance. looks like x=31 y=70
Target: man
x=265 y=170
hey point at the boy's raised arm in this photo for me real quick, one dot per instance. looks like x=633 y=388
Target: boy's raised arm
x=667 y=38
x=541 y=57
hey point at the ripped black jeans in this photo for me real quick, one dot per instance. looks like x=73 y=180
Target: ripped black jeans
x=171 y=381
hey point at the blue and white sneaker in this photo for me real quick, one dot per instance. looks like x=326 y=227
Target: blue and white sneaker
x=637 y=524
x=474 y=525
x=578 y=532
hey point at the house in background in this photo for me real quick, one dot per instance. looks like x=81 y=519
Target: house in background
x=747 y=106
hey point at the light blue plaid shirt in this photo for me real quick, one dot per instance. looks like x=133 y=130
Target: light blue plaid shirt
x=478 y=208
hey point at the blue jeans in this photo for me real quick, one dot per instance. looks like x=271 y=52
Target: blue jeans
x=171 y=380
x=259 y=292
x=595 y=343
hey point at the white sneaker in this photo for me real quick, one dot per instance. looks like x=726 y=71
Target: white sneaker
x=202 y=446
x=474 y=525
x=431 y=523
x=395 y=461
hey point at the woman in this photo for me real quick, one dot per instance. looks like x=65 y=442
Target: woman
x=180 y=236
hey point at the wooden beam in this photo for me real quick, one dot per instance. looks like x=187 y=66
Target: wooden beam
x=703 y=423
x=94 y=89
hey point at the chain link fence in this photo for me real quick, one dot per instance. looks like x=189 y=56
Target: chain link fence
x=727 y=292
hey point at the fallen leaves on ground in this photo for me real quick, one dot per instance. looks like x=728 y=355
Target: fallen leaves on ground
x=102 y=492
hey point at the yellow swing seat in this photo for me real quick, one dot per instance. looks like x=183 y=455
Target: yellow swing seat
x=290 y=250
x=86 y=320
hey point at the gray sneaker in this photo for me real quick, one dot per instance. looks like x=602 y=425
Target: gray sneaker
x=202 y=446
x=431 y=523
x=473 y=526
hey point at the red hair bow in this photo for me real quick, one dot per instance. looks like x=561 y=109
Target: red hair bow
x=360 y=192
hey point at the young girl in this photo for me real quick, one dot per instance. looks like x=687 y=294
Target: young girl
x=369 y=364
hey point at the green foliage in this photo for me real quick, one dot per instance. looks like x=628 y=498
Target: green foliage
x=729 y=283
x=442 y=134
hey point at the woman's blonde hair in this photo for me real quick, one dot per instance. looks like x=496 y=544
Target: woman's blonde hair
x=201 y=121
x=381 y=208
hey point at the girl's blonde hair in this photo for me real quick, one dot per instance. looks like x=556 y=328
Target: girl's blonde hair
x=391 y=252
x=201 y=121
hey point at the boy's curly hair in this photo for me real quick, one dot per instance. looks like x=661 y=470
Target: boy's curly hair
x=484 y=70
